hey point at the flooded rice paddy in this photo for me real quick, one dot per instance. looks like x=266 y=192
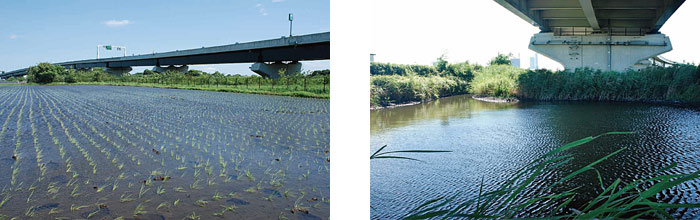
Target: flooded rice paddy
x=103 y=152
x=492 y=140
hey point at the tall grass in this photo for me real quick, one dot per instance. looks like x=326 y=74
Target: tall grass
x=510 y=200
x=676 y=83
x=396 y=89
x=496 y=81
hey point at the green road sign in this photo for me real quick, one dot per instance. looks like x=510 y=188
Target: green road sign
x=108 y=47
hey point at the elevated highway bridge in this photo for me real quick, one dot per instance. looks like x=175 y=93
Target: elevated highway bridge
x=601 y=34
x=268 y=57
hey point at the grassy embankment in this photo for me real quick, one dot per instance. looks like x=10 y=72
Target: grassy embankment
x=397 y=84
x=263 y=90
x=309 y=85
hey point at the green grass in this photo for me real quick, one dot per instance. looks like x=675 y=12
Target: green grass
x=634 y=199
x=264 y=90
x=496 y=81
x=398 y=84
x=396 y=89
x=676 y=83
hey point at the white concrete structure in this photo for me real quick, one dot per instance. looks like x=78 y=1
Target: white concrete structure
x=273 y=70
x=605 y=52
x=600 y=34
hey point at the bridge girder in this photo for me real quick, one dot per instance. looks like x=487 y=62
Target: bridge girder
x=648 y=16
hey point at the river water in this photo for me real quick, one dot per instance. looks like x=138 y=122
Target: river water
x=491 y=140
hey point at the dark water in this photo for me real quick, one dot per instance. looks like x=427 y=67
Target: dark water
x=491 y=140
x=94 y=152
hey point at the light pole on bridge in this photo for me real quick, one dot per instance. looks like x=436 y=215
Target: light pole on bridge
x=291 y=18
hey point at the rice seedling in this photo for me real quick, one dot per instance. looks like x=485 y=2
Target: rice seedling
x=140 y=209
x=73 y=207
x=55 y=211
x=193 y=216
x=217 y=196
x=31 y=212
x=163 y=204
x=176 y=202
x=201 y=202
x=124 y=198
x=250 y=176
x=6 y=198
x=143 y=190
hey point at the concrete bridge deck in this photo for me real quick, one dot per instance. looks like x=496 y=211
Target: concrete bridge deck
x=285 y=49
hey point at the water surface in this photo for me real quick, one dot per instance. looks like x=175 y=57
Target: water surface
x=491 y=140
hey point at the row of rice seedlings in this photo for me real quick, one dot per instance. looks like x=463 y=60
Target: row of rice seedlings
x=71 y=184
x=61 y=148
x=35 y=140
x=83 y=134
x=74 y=142
x=71 y=139
x=107 y=139
x=18 y=143
x=208 y=169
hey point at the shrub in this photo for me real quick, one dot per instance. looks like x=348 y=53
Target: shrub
x=46 y=73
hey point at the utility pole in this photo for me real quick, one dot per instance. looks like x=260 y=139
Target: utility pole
x=291 y=18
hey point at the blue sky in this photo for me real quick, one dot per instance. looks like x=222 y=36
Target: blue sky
x=56 y=31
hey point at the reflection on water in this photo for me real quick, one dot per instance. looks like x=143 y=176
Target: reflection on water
x=442 y=109
x=490 y=140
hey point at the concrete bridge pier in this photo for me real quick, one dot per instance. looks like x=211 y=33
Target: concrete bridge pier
x=601 y=51
x=118 y=71
x=83 y=70
x=273 y=70
x=160 y=69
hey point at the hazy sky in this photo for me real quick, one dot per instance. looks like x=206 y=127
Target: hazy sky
x=57 y=31
x=417 y=32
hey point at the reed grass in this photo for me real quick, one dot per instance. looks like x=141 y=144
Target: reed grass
x=512 y=199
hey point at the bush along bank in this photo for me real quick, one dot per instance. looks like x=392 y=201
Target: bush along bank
x=393 y=84
x=396 y=84
x=678 y=83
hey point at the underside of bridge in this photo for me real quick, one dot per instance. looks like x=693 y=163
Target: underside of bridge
x=601 y=34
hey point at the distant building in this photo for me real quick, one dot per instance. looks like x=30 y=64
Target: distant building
x=371 y=57
x=533 y=63
x=515 y=62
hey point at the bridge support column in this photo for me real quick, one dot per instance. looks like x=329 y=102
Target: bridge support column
x=118 y=71
x=272 y=70
x=604 y=52
x=160 y=69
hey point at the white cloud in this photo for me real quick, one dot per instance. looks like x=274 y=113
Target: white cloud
x=261 y=9
x=14 y=36
x=117 y=23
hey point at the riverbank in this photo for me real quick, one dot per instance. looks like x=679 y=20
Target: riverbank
x=495 y=99
x=397 y=90
x=505 y=83
x=211 y=88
